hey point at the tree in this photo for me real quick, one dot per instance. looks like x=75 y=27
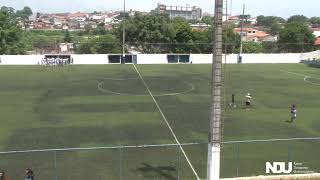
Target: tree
x=183 y=36
x=252 y=47
x=10 y=35
x=298 y=18
x=38 y=15
x=24 y=13
x=85 y=47
x=107 y=44
x=207 y=20
x=268 y=21
x=315 y=20
x=100 y=45
x=148 y=32
x=296 y=37
x=275 y=29
x=9 y=10
x=67 y=37
x=87 y=28
x=231 y=40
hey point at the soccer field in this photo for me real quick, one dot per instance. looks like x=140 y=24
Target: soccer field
x=109 y=105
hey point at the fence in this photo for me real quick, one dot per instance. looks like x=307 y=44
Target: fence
x=239 y=159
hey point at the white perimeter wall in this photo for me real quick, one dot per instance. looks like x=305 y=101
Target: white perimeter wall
x=162 y=58
x=152 y=59
x=90 y=59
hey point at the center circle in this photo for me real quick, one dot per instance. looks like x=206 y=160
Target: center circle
x=312 y=80
x=134 y=86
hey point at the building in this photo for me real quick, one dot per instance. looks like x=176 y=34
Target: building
x=255 y=35
x=316 y=32
x=186 y=12
x=66 y=47
x=199 y=27
x=317 y=42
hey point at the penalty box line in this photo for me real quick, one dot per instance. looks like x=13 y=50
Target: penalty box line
x=166 y=121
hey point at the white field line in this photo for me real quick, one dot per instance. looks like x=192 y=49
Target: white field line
x=100 y=88
x=280 y=177
x=305 y=77
x=97 y=148
x=166 y=121
x=154 y=145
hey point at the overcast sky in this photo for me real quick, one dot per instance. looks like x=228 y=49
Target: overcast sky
x=284 y=8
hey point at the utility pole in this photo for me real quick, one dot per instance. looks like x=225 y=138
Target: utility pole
x=124 y=28
x=241 y=35
x=215 y=135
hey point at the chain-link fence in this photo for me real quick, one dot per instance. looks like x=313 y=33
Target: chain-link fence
x=238 y=159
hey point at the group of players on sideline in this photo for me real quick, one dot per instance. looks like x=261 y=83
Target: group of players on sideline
x=56 y=61
x=248 y=98
x=29 y=175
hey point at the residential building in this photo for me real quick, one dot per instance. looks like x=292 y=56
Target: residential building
x=66 y=47
x=186 y=12
x=316 y=32
x=199 y=27
x=255 y=35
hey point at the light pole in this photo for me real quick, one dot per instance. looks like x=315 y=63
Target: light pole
x=241 y=36
x=215 y=132
x=124 y=29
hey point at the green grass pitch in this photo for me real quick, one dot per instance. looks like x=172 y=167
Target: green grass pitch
x=108 y=105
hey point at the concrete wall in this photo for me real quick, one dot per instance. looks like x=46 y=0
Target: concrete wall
x=90 y=59
x=152 y=59
x=162 y=58
x=20 y=59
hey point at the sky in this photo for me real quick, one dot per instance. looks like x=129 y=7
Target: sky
x=283 y=8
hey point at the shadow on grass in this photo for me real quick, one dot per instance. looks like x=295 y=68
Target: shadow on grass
x=162 y=171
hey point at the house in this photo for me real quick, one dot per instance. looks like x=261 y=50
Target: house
x=255 y=35
x=41 y=25
x=317 y=42
x=315 y=31
x=78 y=15
x=66 y=47
x=108 y=27
x=199 y=27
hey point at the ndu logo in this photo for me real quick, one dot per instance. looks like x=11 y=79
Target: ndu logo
x=279 y=167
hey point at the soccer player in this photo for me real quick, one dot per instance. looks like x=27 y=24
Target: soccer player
x=2 y=175
x=29 y=174
x=248 y=101
x=233 y=101
x=293 y=111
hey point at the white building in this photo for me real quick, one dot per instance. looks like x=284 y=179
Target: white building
x=66 y=47
x=186 y=12
x=316 y=32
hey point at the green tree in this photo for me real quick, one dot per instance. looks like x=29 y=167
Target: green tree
x=9 y=10
x=183 y=42
x=148 y=32
x=268 y=21
x=252 y=47
x=207 y=20
x=85 y=47
x=231 y=40
x=100 y=45
x=275 y=29
x=107 y=44
x=67 y=37
x=315 y=20
x=10 y=35
x=24 y=13
x=298 y=18
x=296 y=37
